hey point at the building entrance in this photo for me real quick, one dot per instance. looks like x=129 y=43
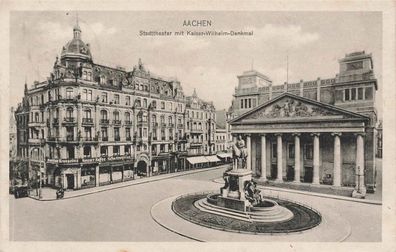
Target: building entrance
x=142 y=168
x=70 y=181
x=308 y=174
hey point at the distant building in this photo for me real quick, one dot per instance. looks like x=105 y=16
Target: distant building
x=221 y=140
x=13 y=135
x=320 y=131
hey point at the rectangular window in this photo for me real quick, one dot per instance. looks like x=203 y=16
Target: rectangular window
x=104 y=97
x=291 y=151
x=116 y=99
x=89 y=98
x=274 y=150
x=128 y=133
x=250 y=103
x=360 y=93
x=69 y=93
x=241 y=104
x=353 y=95
x=104 y=132
x=162 y=105
x=116 y=150
x=308 y=151
x=128 y=100
x=368 y=93
x=346 y=94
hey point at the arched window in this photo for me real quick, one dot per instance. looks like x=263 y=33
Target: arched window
x=154 y=118
x=138 y=103
x=36 y=117
x=103 y=114
x=69 y=112
x=116 y=115
x=127 y=117
x=154 y=104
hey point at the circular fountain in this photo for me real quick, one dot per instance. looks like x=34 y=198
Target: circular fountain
x=243 y=203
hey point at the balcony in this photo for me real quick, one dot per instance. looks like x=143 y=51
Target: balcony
x=142 y=123
x=117 y=138
x=128 y=122
x=163 y=125
x=196 y=131
x=171 y=125
x=36 y=141
x=128 y=138
x=70 y=138
x=69 y=120
x=87 y=121
x=89 y=139
x=154 y=125
x=105 y=139
x=117 y=122
x=180 y=125
x=55 y=121
x=104 y=121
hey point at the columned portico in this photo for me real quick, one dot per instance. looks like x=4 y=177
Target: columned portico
x=263 y=175
x=337 y=159
x=279 y=158
x=297 y=158
x=315 y=162
x=301 y=142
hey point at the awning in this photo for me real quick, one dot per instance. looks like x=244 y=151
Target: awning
x=212 y=158
x=197 y=160
x=224 y=155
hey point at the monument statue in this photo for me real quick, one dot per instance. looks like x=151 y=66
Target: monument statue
x=239 y=153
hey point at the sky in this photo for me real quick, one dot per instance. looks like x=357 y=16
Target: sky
x=313 y=42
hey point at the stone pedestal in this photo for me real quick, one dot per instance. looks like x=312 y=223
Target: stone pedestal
x=233 y=196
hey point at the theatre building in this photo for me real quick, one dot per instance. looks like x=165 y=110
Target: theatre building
x=319 y=132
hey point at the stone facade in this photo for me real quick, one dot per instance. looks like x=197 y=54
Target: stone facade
x=323 y=130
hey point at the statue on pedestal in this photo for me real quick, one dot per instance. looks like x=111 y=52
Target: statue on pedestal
x=239 y=153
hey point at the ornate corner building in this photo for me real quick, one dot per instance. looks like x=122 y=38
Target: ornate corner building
x=90 y=125
x=320 y=132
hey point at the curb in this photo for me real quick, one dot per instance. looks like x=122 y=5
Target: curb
x=156 y=178
x=322 y=195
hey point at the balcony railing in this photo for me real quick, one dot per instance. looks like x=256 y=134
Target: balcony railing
x=163 y=125
x=117 y=138
x=55 y=120
x=128 y=122
x=69 y=119
x=171 y=125
x=87 y=120
x=117 y=122
x=154 y=125
x=105 y=139
x=104 y=121
x=180 y=125
x=128 y=138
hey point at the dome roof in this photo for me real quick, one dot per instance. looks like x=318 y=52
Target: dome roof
x=76 y=48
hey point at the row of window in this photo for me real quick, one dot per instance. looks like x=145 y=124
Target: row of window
x=359 y=93
x=248 y=103
x=200 y=115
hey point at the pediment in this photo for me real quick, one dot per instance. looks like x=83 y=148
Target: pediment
x=288 y=107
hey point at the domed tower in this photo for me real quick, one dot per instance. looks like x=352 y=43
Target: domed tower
x=76 y=50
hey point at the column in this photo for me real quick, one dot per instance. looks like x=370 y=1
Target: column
x=360 y=187
x=279 y=157
x=97 y=175
x=337 y=159
x=249 y=151
x=315 y=179
x=297 y=167
x=263 y=175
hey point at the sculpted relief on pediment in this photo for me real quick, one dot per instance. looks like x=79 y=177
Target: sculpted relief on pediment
x=290 y=108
